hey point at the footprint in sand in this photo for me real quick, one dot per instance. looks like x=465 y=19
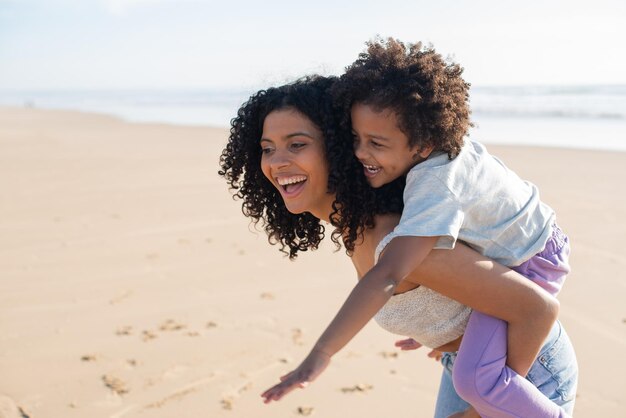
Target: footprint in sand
x=115 y=384
x=125 y=330
x=152 y=256
x=305 y=411
x=267 y=296
x=296 y=336
x=148 y=335
x=171 y=325
x=117 y=299
x=389 y=354
x=8 y=409
x=227 y=403
x=86 y=358
x=211 y=324
x=361 y=387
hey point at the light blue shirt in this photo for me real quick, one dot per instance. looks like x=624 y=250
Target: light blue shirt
x=475 y=198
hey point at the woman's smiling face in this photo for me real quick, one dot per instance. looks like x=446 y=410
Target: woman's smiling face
x=294 y=161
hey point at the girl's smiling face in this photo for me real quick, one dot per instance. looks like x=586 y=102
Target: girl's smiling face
x=381 y=146
x=294 y=161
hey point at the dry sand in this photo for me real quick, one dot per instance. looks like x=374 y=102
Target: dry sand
x=132 y=286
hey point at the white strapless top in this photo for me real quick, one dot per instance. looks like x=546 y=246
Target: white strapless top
x=422 y=314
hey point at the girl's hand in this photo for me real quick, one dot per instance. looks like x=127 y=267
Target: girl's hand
x=312 y=366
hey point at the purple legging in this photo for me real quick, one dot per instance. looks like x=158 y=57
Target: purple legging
x=480 y=374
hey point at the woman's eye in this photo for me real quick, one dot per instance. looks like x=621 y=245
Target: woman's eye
x=376 y=144
x=266 y=150
x=297 y=145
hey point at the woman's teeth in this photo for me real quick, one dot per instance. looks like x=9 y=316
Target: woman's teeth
x=286 y=182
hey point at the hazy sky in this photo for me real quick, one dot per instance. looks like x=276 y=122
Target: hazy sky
x=104 y=44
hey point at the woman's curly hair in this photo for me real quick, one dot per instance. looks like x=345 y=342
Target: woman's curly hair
x=355 y=203
x=427 y=93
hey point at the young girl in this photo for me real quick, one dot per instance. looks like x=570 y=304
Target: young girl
x=409 y=114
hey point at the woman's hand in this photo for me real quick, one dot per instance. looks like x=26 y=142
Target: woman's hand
x=407 y=344
x=312 y=366
x=411 y=344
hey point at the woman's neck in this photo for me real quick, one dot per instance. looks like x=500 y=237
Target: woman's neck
x=324 y=209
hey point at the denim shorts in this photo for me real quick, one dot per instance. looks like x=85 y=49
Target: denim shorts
x=554 y=373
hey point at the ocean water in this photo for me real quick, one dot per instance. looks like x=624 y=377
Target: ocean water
x=592 y=117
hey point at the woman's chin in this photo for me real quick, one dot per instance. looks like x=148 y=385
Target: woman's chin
x=294 y=209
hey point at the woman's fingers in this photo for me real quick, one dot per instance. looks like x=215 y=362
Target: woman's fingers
x=408 y=344
x=434 y=354
x=275 y=393
x=289 y=382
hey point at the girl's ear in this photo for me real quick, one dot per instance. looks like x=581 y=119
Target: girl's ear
x=422 y=153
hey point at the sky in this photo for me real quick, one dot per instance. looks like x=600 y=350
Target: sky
x=174 y=44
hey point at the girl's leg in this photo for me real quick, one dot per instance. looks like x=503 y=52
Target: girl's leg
x=481 y=377
x=448 y=401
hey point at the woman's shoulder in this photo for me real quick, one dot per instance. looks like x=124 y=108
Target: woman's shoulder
x=384 y=224
x=365 y=249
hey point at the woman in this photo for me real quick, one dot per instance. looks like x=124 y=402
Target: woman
x=293 y=166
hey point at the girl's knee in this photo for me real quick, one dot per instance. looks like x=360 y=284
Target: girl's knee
x=477 y=383
x=463 y=379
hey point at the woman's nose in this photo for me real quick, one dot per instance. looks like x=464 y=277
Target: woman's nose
x=279 y=159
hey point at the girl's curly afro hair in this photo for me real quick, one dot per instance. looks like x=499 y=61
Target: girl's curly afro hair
x=355 y=203
x=427 y=93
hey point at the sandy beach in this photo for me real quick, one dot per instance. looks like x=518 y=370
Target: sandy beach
x=132 y=286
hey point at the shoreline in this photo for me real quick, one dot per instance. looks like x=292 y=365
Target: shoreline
x=131 y=284
x=541 y=132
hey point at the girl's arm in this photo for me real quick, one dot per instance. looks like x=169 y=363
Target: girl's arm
x=482 y=284
x=402 y=255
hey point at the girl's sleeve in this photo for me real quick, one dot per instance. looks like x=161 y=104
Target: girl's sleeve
x=430 y=209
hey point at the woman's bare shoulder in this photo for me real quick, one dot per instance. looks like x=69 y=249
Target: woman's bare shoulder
x=363 y=254
x=364 y=250
x=384 y=225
